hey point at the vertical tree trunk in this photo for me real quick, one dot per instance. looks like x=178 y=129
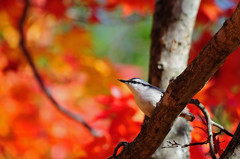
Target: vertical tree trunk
x=183 y=88
x=172 y=29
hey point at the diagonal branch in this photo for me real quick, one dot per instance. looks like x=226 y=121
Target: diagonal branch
x=26 y=52
x=233 y=149
x=186 y=85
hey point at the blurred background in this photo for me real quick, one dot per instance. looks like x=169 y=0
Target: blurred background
x=80 y=49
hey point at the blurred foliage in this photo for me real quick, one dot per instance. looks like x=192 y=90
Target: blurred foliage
x=132 y=41
x=81 y=48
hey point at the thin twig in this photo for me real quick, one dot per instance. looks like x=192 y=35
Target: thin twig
x=26 y=52
x=222 y=128
x=187 y=115
x=209 y=125
x=174 y=144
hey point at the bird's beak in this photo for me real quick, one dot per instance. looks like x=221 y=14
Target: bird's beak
x=123 y=81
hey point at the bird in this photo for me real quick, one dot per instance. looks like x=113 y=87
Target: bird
x=147 y=96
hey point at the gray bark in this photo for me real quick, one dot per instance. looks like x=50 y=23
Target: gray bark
x=171 y=40
x=179 y=92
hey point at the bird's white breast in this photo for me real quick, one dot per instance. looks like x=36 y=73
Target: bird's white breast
x=147 y=99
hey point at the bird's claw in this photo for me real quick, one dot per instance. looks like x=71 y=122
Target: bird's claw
x=120 y=144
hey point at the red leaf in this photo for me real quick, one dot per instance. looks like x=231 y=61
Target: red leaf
x=208 y=11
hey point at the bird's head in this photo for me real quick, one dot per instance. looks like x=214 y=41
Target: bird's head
x=138 y=85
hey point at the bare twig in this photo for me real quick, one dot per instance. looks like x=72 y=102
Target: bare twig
x=209 y=125
x=174 y=144
x=26 y=52
x=203 y=109
x=222 y=128
x=211 y=135
x=188 y=116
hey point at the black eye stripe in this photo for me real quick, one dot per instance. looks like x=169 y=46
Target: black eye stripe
x=146 y=85
x=135 y=82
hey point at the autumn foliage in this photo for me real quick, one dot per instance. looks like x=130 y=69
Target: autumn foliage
x=62 y=49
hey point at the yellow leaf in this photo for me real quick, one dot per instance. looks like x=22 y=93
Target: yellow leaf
x=10 y=34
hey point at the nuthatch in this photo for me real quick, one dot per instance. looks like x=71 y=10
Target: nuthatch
x=147 y=96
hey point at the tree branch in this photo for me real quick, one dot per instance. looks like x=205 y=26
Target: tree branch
x=172 y=28
x=178 y=93
x=222 y=128
x=120 y=144
x=233 y=149
x=173 y=144
x=197 y=103
x=209 y=125
x=26 y=53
